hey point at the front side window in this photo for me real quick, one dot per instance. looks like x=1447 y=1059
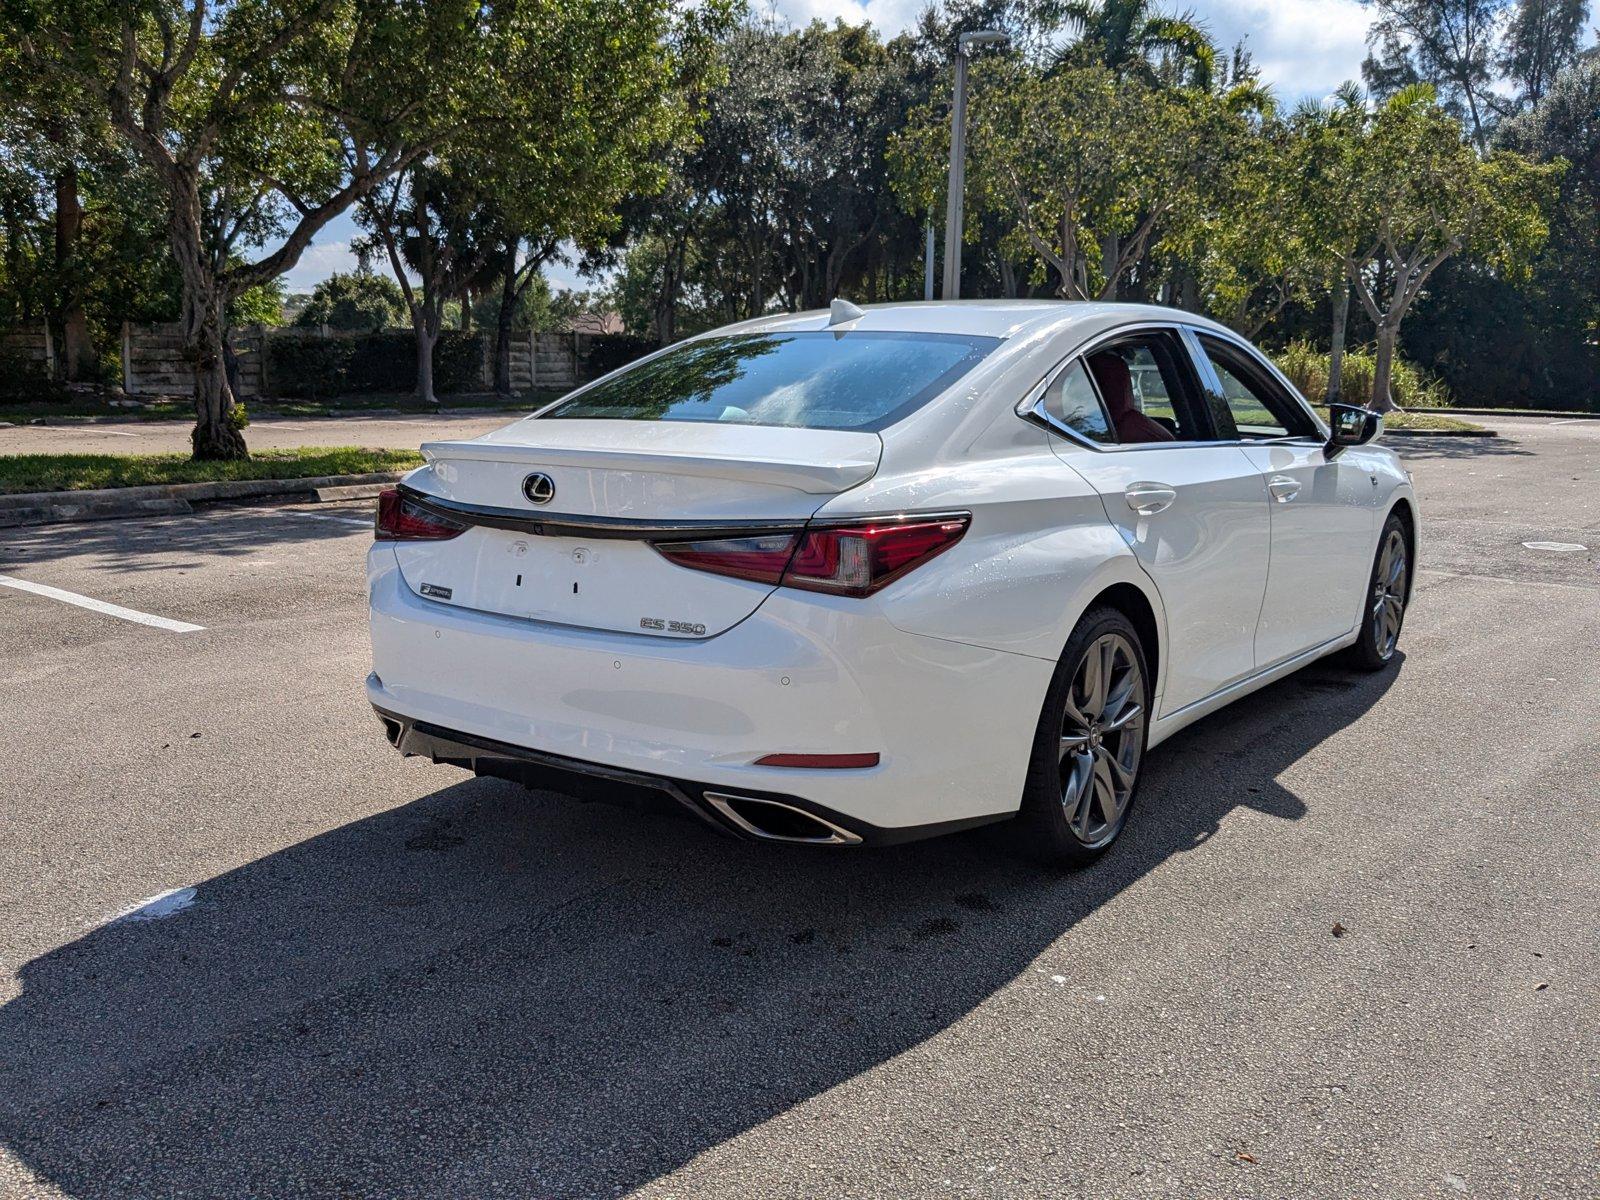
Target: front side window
x=1251 y=402
x=815 y=379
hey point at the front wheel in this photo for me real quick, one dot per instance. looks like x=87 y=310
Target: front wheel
x=1384 y=610
x=1089 y=743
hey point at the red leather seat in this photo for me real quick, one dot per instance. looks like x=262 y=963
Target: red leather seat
x=1116 y=388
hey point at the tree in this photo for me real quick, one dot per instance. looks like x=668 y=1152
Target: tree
x=357 y=302
x=1326 y=165
x=262 y=120
x=557 y=166
x=1254 y=243
x=1449 y=44
x=1540 y=42
x=1420 y=195
x=1132 y=40
x=429 y=221
x=1089 y=168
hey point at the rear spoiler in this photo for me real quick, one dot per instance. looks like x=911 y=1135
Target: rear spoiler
x=824 y=462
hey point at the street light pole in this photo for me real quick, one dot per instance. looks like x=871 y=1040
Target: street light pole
x=958 y=158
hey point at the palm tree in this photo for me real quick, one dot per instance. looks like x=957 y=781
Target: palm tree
x=1131 y=39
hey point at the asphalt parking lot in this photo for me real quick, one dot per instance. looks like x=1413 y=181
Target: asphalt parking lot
x=1348 y=946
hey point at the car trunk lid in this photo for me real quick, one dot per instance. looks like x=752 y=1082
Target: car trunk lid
x=582 y=554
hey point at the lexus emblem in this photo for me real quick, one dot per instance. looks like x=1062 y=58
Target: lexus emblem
x=539 y=488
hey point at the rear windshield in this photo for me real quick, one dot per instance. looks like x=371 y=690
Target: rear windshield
x=811 y=380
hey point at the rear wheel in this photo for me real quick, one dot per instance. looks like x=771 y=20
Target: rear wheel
x=1385 y=605
x=1090 y=742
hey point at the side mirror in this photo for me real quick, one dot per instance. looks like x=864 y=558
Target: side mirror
x=1352 y=426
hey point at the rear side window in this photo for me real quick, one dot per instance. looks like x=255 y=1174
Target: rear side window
x=1071 y=400
x=816 y=379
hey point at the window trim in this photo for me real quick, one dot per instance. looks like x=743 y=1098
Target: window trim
x=1029 y=408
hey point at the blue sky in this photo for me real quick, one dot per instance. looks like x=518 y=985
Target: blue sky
x=1303 y=47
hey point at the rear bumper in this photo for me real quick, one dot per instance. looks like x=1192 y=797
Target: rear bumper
x=750 y=815
x=953 y=724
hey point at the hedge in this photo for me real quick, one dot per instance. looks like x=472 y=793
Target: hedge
x=24 y=381
x=1307 y=369
x=311 y=367
x=608 y=351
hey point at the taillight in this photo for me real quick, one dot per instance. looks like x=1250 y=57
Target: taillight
x=759 y=558
x=846 y=560
x=857 y=560
x=403 y=520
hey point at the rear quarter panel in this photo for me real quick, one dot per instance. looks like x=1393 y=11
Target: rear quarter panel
x=1039 y=549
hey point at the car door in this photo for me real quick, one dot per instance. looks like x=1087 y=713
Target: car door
x=1322 y=509
x=1194 y=512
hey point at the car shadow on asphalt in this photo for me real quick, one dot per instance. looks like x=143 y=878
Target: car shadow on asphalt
x=485 y=990
x=1421 y=446
x=184 y=542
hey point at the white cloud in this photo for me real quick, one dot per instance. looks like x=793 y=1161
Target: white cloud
x=317 y=263
x=1303 y=47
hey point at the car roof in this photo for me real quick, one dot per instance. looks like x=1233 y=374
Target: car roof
x=984 y=318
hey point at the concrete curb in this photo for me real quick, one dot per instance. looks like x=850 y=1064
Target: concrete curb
x=1468 y=433
x=105 y=504
x=1543 y=413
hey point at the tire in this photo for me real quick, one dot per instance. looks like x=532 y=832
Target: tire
x=1383 y=610
x=1090 y=743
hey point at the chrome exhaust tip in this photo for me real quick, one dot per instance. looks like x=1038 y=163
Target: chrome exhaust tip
x=775 y=821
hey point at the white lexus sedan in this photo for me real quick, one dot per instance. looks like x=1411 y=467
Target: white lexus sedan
x=867 y=575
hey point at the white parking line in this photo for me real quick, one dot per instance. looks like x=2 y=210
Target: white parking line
x=295 y=512
x=99 y=606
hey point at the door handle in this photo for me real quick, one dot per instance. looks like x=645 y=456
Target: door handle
x=1147 y=499
x=1284 y=488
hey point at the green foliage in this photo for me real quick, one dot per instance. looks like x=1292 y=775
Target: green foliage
x=1089 y=169
x=1307 y=368
x=311 y=367
x=1131 y=39
x=358 y=302
x=260 y=305
x=73 y=472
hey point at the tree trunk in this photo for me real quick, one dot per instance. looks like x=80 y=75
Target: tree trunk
x=215 y=435
x=1110 y=251
x=1383 y=370
x=77 y=348
x=1189 y=293
x=502 y=323
x=1341 y=314
x=426 y=326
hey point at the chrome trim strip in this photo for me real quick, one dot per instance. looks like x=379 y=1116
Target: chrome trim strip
x=625 y=528
x=570 y=525
x=837 y=836
x=1199 y=364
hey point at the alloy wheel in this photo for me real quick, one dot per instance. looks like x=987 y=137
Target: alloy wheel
x=1102 y=736
x=1389 y=594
